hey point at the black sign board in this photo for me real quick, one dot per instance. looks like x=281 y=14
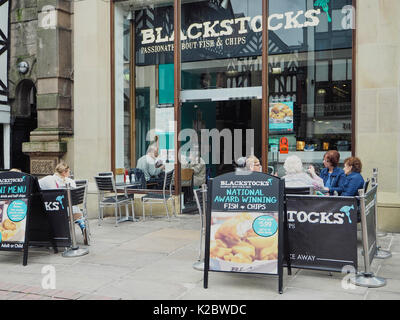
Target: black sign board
x=55 y=208
x=243 y=225
x=216 y=31
x=321 y=232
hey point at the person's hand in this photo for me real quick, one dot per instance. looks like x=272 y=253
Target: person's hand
x=311 y=170
x=326 y=189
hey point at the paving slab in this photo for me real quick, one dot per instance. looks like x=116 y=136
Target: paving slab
x=153 y=260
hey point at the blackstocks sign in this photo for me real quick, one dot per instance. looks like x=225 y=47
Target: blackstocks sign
x=322 y=232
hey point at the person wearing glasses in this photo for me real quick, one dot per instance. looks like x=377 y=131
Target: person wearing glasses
x=253 y=164
x=332 y=176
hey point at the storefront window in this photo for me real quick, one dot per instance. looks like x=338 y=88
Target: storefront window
x=310 y=79
x=310 y=76
x=122 y=87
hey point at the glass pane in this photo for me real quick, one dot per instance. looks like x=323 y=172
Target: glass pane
x=311 y=50
x=122 y=88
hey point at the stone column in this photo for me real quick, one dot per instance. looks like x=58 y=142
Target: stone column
x=54 y=86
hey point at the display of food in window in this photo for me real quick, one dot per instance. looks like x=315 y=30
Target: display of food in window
x=280 y=111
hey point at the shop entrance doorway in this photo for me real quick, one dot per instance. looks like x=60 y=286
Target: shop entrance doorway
x=234 y=125
x=25 y=121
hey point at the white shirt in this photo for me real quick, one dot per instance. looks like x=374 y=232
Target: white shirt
x=56 y=182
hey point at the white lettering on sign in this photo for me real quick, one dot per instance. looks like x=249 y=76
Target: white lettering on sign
x=316 y=217
x=52 y=206
x=276 y=21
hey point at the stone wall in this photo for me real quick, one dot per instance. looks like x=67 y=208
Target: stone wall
x=378 y=102
x=23 y=46
x=41 y=34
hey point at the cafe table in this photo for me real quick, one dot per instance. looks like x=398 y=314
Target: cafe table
x=126 y=186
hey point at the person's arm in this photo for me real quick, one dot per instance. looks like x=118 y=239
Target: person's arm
x=317 y=181
x=339 y=185
x=152 y=170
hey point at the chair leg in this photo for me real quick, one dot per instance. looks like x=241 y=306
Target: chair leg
x=116 y=214
x=143 y=211
x=173 y=207
x=133 y=210
x=99 y=215
x=127 y=210
x=166 y=208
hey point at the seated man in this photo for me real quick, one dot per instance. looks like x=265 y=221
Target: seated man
x=152 y=168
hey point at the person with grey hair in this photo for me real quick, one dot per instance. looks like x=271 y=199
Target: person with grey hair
x=153 y=168
x=297 y=177
x=253 y=164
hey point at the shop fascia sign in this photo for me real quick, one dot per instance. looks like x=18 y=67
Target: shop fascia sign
x=276 y=21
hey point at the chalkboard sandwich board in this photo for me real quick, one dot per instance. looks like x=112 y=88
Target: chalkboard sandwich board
x=244 y=220
x=15 y=205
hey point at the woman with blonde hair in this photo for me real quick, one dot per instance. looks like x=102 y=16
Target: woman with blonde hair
x=59 y=180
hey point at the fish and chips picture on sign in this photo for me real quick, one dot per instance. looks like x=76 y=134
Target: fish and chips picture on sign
x=243 y=230
x=13 y=221
x=244 y=242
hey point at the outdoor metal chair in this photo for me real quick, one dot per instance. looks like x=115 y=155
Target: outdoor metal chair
x=201 y=200
x=109 y=197
x=85 y=183
x=187 y=183
x=161 y=198
x=107 y=173
x=366 y=184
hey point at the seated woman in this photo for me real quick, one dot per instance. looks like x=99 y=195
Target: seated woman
x=59 y=180
x=332 y=176
x=296 y=177
x=354 y=180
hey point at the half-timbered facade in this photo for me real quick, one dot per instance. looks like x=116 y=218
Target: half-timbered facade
x=4 y=91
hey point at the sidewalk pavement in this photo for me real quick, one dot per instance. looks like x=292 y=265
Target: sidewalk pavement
x=152 y=260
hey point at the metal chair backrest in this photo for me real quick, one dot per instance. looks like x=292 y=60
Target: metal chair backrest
x=168 y=182
x=102 y=174
x=78 y=195
x=187 y=174
x=200 y=196
x=366 y=184
x=82 y=182
x=299 y=190
x=105 y=183
x=139 y=177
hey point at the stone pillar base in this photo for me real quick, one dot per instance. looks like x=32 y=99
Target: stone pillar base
x=44 y=155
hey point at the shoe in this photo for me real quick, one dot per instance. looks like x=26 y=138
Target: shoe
x=81 y=223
